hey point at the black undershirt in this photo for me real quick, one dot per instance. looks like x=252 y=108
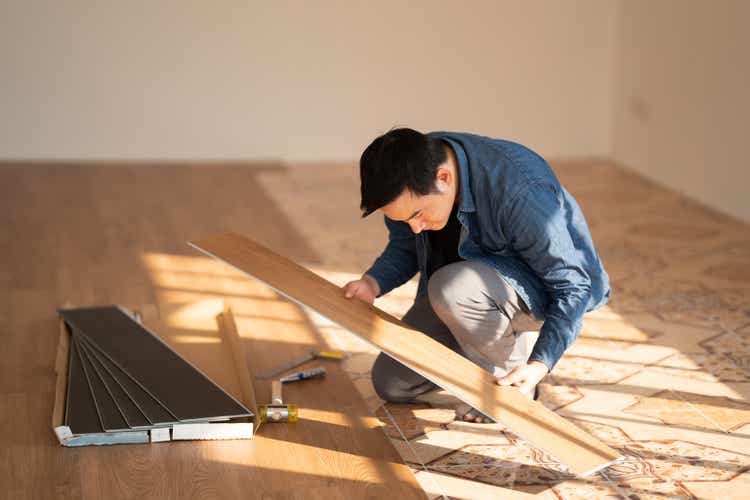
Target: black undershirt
x=444 y=243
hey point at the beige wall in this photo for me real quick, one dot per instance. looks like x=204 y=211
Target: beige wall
x=305 y=80
x=683 y=97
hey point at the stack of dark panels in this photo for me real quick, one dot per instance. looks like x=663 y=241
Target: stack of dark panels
x=124 y=381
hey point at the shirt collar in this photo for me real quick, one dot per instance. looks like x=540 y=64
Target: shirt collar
x=466 y=202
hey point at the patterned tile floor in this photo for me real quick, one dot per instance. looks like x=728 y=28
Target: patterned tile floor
x=662 y=373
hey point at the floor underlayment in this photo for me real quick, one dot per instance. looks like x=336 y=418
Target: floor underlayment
x=662 y=372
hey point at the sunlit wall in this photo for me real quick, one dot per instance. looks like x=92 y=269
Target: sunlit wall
x=299 y=80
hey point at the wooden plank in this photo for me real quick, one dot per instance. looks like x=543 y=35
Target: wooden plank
x=155 y=412
x=80 y=412
x=109 y=414
x=134 y=418
x=583 y=453
x=191 y=330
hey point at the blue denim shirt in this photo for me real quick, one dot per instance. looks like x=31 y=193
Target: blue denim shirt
x=517 y=217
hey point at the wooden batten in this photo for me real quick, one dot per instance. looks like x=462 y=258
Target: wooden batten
x=582 y=452
x=62 y=431
x=229 y=331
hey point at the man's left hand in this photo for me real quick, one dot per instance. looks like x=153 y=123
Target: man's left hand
x=525 y=377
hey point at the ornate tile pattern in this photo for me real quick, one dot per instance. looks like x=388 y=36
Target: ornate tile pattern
x=734 y=489
x=703 y=366
x=651 y=488
x=502 y=465
x=735 y=346
x=685 y=461
x=692 y=302
x=435 y=444
x=730 y=343
x=694 y=410
x=610 y=434
x=554 y=396
x=579 y=370
x=661 y=373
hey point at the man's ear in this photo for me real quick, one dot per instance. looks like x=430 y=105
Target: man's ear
x=443 y=178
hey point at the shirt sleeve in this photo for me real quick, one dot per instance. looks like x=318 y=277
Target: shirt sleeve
x=537 y=223
x=398 y=262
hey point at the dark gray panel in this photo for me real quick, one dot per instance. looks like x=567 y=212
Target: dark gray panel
x=133 y=416
x=180 y=387
x=80 y=411
x=154 y=411
x=109 y=415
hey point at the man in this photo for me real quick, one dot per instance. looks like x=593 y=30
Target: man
x=497 y=241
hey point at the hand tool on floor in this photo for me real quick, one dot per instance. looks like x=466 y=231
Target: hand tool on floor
x=318 y=371
x=277 y=411
x=307 y=357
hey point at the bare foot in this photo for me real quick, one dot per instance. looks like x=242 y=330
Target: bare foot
x=468 y=414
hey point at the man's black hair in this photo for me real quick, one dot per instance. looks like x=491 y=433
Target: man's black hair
x=400 y=159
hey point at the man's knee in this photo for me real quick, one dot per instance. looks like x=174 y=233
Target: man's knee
x=388 y=380
x=466 y=284
x=443 y=288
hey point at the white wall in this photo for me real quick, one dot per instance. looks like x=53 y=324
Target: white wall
x=305 y=80
x=683 y=97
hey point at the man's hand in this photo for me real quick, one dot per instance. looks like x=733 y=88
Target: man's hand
x=525 y=377
x=365 y=288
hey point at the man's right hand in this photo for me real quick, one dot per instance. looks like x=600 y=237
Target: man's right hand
x=365 y=288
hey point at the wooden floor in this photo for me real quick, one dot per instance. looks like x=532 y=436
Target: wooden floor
x=104 y=234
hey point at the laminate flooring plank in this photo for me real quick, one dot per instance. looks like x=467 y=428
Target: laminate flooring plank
x=174 y=382
x=80 y=411
x=155 y=412
x=531 y=420
x=126 y=407
x=180 y=320
x=109 y=415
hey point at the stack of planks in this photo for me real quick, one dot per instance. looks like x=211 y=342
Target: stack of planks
x=122 y=384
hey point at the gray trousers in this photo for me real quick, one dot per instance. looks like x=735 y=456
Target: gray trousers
x=472 y=310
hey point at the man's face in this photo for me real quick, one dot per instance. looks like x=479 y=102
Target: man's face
x=424 y=213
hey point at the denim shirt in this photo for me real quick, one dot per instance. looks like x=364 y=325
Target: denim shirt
x=518 y=218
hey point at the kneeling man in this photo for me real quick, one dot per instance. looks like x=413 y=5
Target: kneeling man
x=500 y=245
